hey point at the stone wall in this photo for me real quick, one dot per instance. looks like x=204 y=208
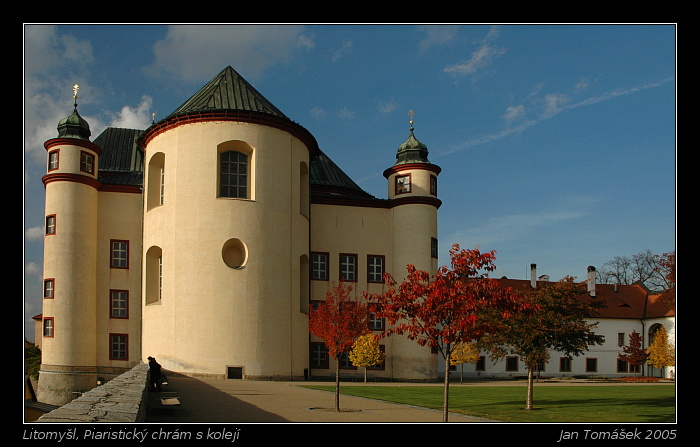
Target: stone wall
x=122 y=399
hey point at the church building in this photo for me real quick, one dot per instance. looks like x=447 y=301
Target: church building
x=203 y=239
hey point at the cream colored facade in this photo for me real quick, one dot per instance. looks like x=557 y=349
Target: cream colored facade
x=163 y=250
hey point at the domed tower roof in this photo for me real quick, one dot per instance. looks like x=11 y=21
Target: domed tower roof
x=74 y=126
x=412 y=150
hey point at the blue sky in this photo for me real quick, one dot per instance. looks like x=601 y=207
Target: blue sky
x=557 y=142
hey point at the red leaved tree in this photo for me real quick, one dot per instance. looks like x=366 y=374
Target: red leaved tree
x=634 y=353
x=457 y=305
x=338 y=321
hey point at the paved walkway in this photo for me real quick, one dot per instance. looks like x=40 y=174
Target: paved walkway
x=218 y=400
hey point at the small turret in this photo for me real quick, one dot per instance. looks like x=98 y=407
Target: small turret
x=74 y=126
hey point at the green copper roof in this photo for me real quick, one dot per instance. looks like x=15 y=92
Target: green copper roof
x=228 y=91
x=74 y=126
x=412 y=151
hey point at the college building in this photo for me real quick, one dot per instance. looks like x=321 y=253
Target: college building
x=203 y=240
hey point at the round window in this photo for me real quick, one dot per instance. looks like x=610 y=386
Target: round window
x=234 y=253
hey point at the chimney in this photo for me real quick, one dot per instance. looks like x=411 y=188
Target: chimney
x=591 y=280
x=533 y=275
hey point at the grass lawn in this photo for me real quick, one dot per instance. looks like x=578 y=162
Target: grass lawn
x=557 y=404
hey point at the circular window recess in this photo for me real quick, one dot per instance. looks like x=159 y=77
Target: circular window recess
x=234 y=253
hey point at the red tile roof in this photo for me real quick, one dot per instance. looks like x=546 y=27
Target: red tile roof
x=622 y=301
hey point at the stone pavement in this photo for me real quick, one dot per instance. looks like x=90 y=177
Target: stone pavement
x=204 y=400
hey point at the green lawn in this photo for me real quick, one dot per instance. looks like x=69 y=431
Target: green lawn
x=558 y=404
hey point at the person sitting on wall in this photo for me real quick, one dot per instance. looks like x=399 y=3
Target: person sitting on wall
x=155 y=374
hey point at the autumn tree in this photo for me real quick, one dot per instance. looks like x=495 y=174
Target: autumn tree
x=366 y=352
x=338 y=321
x=464 y=353
x=634 y=353
x=447 y=309
x=661 y=352
x=666 y=268
x=559 y=324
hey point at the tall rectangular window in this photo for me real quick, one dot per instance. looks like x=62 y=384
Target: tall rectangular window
x=591 y=365
x=50 y=227
x=319 y=266
x=162 y=185
x=348 y=267
x=233 y=175
x=119 y=346
x=319 y=355
x=511 y=363
x=48 y=288
x=53 y=161
x=433 y=248
x=433 y=185
x=564 y=364
x=375 y=268
x=621 y=339
x=119 y=303
x=160 y=278
x=87 y=162
x=120 y=254
x=48 y=327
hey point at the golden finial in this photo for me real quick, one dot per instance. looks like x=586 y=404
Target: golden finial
x=411 y=113
x=75 y=95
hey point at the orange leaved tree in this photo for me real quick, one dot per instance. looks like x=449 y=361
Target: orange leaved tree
x=455 y=306
x=338 y=321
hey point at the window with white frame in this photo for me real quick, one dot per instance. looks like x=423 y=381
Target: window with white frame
x=348 y=267
x=120 y=254
x=119 y=303
x=319 y=266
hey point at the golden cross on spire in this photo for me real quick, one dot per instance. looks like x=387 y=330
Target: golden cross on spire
x=75 y=95
x=411 y=113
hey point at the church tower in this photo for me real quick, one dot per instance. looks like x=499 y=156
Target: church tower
x=412 y=183
x=226 y=236
x=70 y=255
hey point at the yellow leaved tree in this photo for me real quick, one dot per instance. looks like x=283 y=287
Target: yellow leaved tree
x=464 y=353
x=661 y=352
x=366 y=352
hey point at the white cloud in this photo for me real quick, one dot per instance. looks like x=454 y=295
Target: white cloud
x=386 y=107
x=436 y=35
x=186 y=51
x=498 y=230
x=138 y=117
x=34 y=233
x=48 y=97
x=345 y=114
x=514 y=112
x=32 y=269
x=344 y=49
x=481 y=58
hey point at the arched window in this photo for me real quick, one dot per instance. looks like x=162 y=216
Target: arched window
x=155 y=192
x=233 y=175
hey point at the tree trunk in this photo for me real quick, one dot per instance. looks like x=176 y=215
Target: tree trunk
x=365 y=374
x=530 y=389
x=445 y=402
x=337 y=385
